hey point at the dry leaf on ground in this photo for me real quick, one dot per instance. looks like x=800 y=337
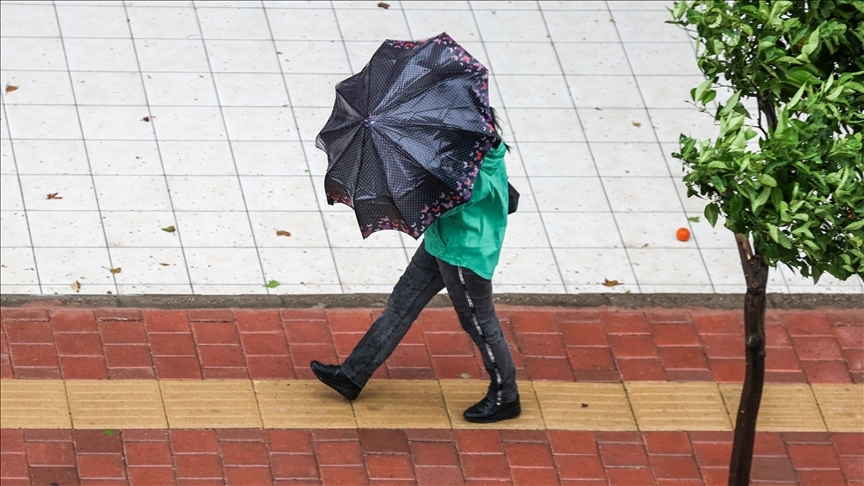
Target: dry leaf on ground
x=53 y=195
x=76 y=286
x=637 y=124
x=10 y=88
x=283 y=233
x=610 y=283
x=165 y=264
x=169 y=229
x=146 y=119
x=383 y=5
x=115 y=270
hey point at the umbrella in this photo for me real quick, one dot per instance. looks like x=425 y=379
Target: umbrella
x=408 y=134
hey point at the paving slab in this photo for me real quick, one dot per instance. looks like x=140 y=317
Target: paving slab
x=177 y=163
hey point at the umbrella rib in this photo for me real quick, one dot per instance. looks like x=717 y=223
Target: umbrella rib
x=440 y=127
x=339 y=157
x=389 y=194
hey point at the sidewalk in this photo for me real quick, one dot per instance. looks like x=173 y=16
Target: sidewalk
x=177 y=139
x=611 y=397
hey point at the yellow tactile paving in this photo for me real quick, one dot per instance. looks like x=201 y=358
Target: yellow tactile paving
x=584 y=406
x=784 y=408
x=302 y=404
x=33 y=404
x=399 y=404
x=211 y=403
x=131 y=404
x=677 y=406
x=842 y=406
x=461 y=394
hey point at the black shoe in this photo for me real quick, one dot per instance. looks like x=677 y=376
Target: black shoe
x=487 y=411
x=332 y=376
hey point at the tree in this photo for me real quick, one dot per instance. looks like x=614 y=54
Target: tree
x=789 y=178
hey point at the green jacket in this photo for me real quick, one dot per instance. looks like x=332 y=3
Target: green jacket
x=471 y=235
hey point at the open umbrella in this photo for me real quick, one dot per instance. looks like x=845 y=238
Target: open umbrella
x=408 y=134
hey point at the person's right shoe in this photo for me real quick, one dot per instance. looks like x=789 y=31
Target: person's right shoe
x=487 y=411
x=335 y=378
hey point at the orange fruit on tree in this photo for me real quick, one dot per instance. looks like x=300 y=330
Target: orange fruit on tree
x=683 y=234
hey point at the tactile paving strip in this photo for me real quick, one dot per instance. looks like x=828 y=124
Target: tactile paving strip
x=420 y=404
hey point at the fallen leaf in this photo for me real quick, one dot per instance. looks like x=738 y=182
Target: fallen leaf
x=693 y=219
x=637 y=124
x=53 y=195
x=165 y=264
x=272 y=284
x=169 y=229
x=109 y=432
x=383 y=5
x=115 y=270
x=76 y=286
x=283 y=233
x=584 y=405
x=465 y=375
x=146 y=119
x=10 y=88
x=610 y=283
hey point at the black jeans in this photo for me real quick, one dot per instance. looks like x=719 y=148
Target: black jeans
x=472 y=298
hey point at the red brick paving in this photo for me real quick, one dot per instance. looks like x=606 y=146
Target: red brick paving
x=435 y=457
x=548 y=344
x=420 y=457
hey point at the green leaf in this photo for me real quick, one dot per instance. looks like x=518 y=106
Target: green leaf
x=698 y=91
x=767 y=180
x=109 y=432
x=693 y=219
x=465 y=375
x=169 y=229
x=678 y=10
x=795 y=99
x=855 y=226
x=711 y=213
x=812 y=43
x=761 y=200
x=272 y=284
x=730 y=104
x=773 y=233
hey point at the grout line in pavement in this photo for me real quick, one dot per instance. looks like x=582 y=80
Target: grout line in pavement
x=309 y=174
x=86 y=151
x=230 y=148
x=164 y=174
x=593 y=157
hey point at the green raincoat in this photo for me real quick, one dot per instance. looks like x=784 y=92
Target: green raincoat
x=471 y=235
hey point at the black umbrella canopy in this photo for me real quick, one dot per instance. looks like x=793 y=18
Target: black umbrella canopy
x=408 y=134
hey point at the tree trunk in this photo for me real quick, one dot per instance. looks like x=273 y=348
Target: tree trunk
x=756 y=275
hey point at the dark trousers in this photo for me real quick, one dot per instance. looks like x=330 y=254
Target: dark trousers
x=472 y=299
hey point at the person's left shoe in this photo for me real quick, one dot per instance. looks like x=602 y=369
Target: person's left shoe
x=332 y=376
x=486 y=411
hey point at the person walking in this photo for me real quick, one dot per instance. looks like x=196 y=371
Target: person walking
x=459 y=252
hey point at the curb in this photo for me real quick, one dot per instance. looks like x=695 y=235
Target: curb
x=331 y=301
